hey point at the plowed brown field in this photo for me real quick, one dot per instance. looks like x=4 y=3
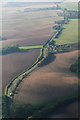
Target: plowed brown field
x=49 y=82
x=16 y=63
x=25 y=28
x=28 y=28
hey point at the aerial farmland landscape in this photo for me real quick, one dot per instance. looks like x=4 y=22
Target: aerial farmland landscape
x=40 y=59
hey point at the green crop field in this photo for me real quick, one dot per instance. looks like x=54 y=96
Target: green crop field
x=69 y=5
x=31 y=47
x=69 y=34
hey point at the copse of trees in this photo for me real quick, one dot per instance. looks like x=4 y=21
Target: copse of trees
x=2 y=39
x=76 y=67
x=5 y=107
x=57 y=27
x=11 y=49
x=59 y=32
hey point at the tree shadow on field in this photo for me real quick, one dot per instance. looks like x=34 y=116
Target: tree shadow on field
x=50 y=58
x=13 y=51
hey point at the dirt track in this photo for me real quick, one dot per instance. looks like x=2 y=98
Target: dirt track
x=51 y=81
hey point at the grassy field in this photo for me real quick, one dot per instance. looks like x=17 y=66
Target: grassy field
x=31 y=47
x=69 y=6
x=69 y=34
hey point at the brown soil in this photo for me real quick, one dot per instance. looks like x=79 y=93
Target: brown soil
x=51 y=81
x=28 y=28
x=24 y=28
x=16 y=63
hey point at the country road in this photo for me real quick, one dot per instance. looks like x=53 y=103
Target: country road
x=10 y=87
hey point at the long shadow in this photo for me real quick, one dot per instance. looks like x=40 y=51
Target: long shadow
x=51 y=57
x=11 y=52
